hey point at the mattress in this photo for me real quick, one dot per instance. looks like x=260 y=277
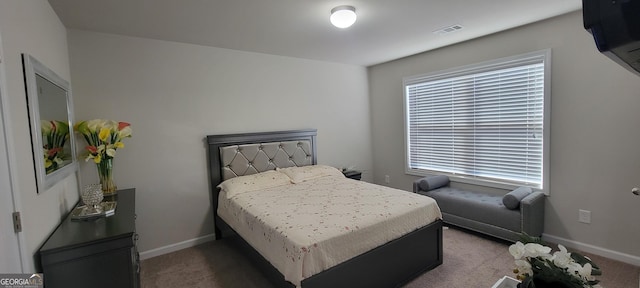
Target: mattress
x=305 y=228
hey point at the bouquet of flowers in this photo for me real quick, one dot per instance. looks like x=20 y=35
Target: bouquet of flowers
x=55 y=134
x=537 y=267
x=103 y=137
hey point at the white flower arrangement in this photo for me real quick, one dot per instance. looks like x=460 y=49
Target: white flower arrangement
x=535 y=265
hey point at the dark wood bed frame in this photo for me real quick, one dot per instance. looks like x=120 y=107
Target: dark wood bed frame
x=390 y=265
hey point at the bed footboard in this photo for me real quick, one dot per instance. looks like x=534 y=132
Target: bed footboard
x=390 y=265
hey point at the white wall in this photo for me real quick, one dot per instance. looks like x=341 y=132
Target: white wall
x=175 y=94
x=33 y=27
x=595 y=156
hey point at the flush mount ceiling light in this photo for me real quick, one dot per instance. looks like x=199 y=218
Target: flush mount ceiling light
x=343 y=16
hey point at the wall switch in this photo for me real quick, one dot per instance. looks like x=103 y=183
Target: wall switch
x=584 y=216
x=387 y=179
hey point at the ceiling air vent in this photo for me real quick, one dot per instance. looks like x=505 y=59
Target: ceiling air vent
x=448 y=29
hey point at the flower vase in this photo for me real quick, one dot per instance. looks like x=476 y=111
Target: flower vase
x=105 y=169
x=536 y=282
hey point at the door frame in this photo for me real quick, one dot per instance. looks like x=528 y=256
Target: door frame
x=6 y=131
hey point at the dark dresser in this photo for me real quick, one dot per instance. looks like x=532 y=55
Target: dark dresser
x=94 y=253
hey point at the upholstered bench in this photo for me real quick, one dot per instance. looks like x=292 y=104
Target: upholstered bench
x=506 y=217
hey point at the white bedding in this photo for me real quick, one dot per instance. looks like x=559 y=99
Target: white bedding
x=305 y=228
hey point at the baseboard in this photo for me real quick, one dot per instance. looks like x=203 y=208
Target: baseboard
x=176 y=246
x=618 y=256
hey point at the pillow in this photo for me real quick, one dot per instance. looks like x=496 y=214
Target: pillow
x=305 y=173
x=512 y=199
x=433 y=182
x=248 y=183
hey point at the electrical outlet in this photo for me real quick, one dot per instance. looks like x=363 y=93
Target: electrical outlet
x=584 y=216
x=387 y=179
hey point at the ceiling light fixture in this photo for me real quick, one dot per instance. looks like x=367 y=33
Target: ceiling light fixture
x=343 y=16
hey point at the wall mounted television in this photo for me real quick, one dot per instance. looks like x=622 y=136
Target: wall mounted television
x=615 y=26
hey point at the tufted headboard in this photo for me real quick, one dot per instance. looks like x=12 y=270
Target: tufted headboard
x=232 y=155
x=247 y=159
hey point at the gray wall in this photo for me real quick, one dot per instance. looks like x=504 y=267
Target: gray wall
x=32 y=27
x=175 y=94
x=595 y=157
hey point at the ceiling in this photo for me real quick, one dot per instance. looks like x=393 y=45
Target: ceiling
x=385 y=29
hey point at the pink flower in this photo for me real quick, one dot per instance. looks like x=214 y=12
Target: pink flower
x=122 y=125
x=92 y=149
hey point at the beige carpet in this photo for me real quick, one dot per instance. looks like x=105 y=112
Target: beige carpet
x=470 y=260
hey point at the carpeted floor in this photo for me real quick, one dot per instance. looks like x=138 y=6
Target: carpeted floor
x=470 y=260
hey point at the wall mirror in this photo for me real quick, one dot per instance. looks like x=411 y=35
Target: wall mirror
x=51 y=121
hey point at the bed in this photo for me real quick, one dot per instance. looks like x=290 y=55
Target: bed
x=390 y=263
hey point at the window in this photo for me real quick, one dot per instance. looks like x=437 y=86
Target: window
x=485 y=124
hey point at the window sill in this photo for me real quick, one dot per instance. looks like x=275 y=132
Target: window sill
x=470 y=180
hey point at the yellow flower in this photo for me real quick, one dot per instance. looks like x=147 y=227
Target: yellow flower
x=97 y=158
x=104 y=133
x=118 y=145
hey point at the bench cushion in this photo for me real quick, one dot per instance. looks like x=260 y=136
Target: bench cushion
x=512 y=199
x=476 y=206
x=433 y=182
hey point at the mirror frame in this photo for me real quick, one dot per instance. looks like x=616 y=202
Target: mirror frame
x=33 y=67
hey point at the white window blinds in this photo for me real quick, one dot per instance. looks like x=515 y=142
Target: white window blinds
x=485 y=122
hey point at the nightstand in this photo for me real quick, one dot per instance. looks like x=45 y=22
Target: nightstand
x=353 y=174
